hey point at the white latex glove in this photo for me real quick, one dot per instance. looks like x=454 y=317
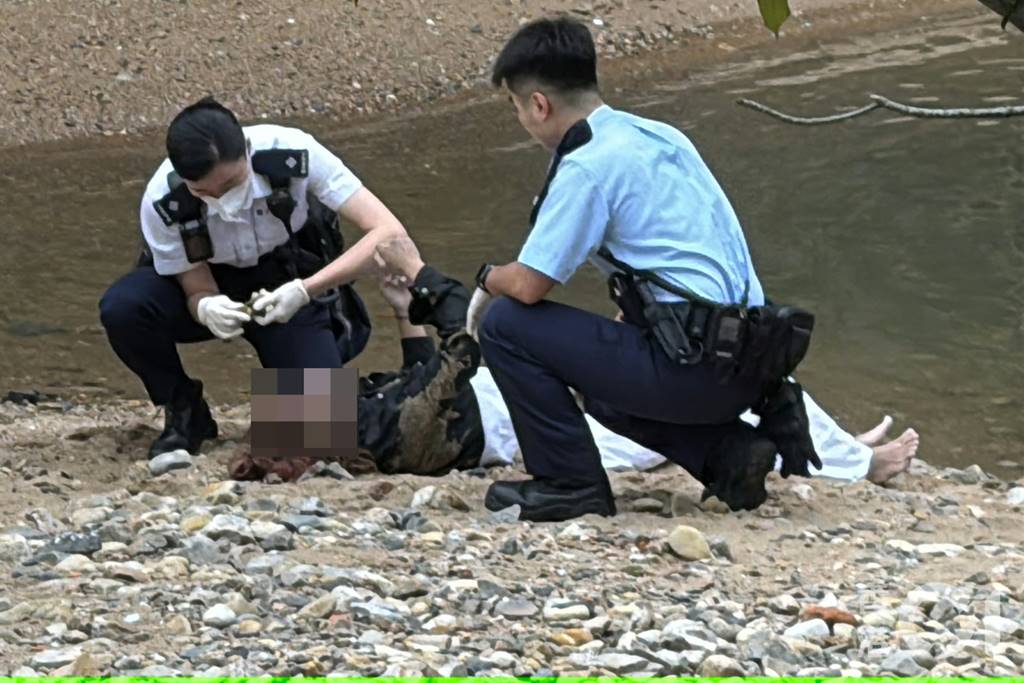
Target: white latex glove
x=222 y=316
x=475 y=313
x=280 y=305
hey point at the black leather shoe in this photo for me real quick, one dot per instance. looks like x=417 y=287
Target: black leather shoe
x=187 y=422
x=736 y=469
x=549 y=501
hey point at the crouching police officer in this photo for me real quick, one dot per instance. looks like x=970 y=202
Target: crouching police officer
x=697 y=346
x=232 y=213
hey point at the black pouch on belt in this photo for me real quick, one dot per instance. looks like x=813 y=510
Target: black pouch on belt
x=777 y=341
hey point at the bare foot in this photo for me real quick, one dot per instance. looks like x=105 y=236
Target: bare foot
x=874 y=436
x=892 y=458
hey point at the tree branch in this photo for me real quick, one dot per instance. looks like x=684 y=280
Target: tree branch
x=880 y=102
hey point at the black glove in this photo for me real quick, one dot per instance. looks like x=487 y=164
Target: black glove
x=784 y=421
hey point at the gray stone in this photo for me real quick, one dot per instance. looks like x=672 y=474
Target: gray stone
x=280 y=540
x=168 y=462
x=1003 y=626
x=377 y=611
x=200 y=550
x=509 y=515
x=902 y=663
x=77 y=544
x=565 y=610
x=1015 y=496
x=52 y=659
x=939 y=549
x=219 y=616
x=159 y=671
x=515 y=608
x=321 y=608
x=784 y=604
x=299 y=575
x=648 y=505
x=297 y=522
x=359 y=578
x=720 y=548
x=689 y=544
x=814 y=629
x=683 y=634
x=231 y=527
x=313 y=506
x=943 y=610
x=720 y=666
x=621 y=663
x=14 y=548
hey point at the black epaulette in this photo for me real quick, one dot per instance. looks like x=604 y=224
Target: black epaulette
x=281 y=165
x=178 y=206
x=574 y=138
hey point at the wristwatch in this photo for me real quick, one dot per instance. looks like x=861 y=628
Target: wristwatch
x=481 y=276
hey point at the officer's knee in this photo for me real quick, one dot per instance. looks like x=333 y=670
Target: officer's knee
x=501 y=320
x=120 y=306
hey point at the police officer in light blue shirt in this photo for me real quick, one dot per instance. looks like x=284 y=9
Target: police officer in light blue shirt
x=626 y=194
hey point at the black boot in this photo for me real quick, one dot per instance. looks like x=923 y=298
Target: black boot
x=187 y=421
x=543 y=500
x=784 y=421
x=736 y=470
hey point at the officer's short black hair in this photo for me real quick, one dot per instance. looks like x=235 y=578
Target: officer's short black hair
x=201 y=135
x=557 y=53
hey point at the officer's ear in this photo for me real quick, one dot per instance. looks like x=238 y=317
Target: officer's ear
x=540 y=104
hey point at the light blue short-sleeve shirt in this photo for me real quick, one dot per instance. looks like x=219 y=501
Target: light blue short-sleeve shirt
x=640 y=189
x=242 y=243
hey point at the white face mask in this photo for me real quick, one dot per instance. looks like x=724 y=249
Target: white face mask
x=232 y=203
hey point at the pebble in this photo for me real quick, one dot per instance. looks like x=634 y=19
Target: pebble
x=903 y=664
x=515 y=608
x=1015 y=496
x=648 y=505
x=565 y=610
x=168 y=462
x=784 y=604
x=720 y=666
x=1003 y=626
x=178 y=625
x=51 y=659
x=689 y=544
x=219 y=616
x=231 y=527
x=223 y=493
x=937 y=549
x=321 y=608
x=814 y=630
x=75 y=564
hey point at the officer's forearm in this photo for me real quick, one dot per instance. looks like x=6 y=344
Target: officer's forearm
x=197 y=284
x=518 y=282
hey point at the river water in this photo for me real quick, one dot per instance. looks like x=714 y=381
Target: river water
x=904 y=236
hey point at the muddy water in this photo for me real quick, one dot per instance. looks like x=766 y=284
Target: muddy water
x=904 y=236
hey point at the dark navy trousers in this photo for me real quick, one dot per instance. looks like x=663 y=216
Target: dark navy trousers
x=146 y=316
x=535 y=353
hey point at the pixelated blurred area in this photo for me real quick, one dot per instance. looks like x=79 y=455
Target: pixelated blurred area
x=300 y=416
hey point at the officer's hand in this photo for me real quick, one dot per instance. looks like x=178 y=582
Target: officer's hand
x=400 y=257
x=222 y=316
x=280 y=305
x=477 y=307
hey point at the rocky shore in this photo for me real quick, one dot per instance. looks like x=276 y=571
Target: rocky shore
x=107 y=569
x=111 y=67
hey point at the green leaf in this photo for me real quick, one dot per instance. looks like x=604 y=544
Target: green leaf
x=774 y=13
